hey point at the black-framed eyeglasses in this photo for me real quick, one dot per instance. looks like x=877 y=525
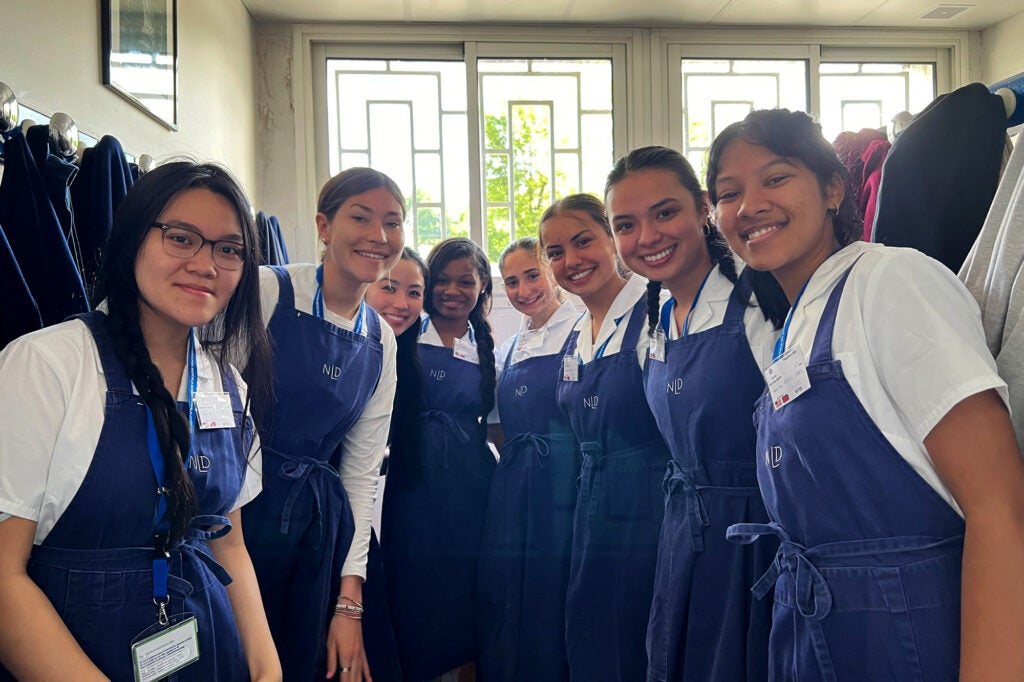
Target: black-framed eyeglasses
x=182 y=242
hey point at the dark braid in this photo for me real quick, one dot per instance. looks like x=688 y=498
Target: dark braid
x=172 y=429
x=485 y=350
x=653 y=306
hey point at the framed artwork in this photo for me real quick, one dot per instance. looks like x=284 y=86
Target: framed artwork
x=140 y=55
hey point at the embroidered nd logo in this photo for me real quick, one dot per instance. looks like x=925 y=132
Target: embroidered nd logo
x=773 y=456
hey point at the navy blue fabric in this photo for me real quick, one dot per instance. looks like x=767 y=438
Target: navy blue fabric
x=618 y=512
x=378 y=631
x=58 y=174
x=21 y=314
x=103 y=181
x=95 y=565
x=705 y=624
x=867 y=576
x=524 y=558
x=432 y=523
x=937 y=186
x=299 y=529
x=271 y=242
x=36 y=238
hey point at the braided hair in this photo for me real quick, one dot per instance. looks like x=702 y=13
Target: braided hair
x=238 y=327
x=440 y=256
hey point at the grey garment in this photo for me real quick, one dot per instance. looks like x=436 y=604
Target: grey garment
x=992 y=273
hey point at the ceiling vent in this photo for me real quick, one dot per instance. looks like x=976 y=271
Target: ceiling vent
x=944 y=11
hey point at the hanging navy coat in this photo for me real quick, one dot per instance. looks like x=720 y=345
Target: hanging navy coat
x=102 y=183
x=940 y=175
x=36 y=238
x=21 y=314
x=58 y=174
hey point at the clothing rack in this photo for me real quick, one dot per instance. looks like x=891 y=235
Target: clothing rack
x=1012 y=91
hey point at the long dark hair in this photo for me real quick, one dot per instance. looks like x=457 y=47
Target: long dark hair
x=238 y=330
x=406 y=418
x=664 y=158
x=793 y=135
x=440 y=256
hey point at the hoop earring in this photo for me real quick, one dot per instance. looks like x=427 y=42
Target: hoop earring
x=706 y=229
x=832 y=211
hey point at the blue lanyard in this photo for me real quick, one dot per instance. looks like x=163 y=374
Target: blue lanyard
x=161 y=524
x=780 y=345
x=318 y=302
x=693 y=303
x=426 y=323
x=600 y=351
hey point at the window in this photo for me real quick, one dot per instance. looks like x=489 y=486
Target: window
x=867 y=95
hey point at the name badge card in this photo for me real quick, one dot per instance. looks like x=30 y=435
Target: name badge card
x=787 y=377
x=214 y=410
x=570 y=368
x=657 y=348
x=166 y=652
x=464 y=350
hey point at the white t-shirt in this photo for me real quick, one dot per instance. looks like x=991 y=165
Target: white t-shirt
x=52 y=400
x=710 y=312
x=533 y=343
x=430 y=337
x=910 y=341
x=364 y=444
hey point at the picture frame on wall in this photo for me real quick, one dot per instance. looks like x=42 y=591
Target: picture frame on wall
x=140 y=55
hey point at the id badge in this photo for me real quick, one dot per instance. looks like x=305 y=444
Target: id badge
x=464 y=350
x=160 y=651
x=787 y=377
x=570 y=368
x=214 y=410
x=656 y=351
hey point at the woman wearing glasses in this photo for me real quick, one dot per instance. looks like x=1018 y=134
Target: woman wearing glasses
x=324 y=436
x=116 y=499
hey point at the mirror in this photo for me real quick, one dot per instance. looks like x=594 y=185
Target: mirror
x=140 y=53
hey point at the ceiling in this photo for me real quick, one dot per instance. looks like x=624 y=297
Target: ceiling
x=980 y=14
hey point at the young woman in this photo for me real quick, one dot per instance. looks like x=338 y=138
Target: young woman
x=701 y=381
x=127 y=451
x=434 y=504
x=398 y=298
x=324 y=437
x=886 y=456
x=524 y=562
x=601 y=391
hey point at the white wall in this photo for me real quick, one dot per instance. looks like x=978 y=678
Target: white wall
x=1000 y=48
x=50 y=56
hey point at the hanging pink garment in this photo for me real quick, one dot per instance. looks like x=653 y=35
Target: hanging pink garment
x=871 y=180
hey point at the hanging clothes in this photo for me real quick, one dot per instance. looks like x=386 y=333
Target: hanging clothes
x=992 y=274
x=433 y=518
x=940 y=175
x=705 y=624
x=524 y=557
x=103 y=181
x=619 y=507
x=873 y=159
x=21 y=314
x=58 y=174
x=35 y=236
x=271 y=241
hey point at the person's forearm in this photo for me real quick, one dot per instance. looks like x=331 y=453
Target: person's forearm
x=34 y=642
x=992 y=611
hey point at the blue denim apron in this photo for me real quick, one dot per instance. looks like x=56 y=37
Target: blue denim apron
x=618 y=512
x=300 y=528
x=867 y=577
x=705 y=625
x=433 y=524
x=524 y=562
x=96 y=564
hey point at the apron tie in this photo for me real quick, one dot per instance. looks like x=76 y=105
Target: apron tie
x=299 y=470
x=451 y=425
x=813 y=597
x=678 y=479
x=539 y=443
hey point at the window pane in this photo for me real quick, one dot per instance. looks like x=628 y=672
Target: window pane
x=407 y=119
x=718 y=92
x=869 y=95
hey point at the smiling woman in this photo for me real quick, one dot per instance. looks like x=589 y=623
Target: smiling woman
x=324 y=436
